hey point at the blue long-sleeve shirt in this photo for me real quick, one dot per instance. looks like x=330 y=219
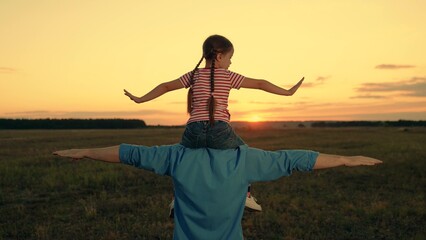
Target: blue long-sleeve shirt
x=211 y=185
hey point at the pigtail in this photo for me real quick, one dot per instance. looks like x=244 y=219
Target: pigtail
x=191 y=82
x=211 y=47
x=212 y=102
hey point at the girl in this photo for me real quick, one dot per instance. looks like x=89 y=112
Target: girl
x=209 y=87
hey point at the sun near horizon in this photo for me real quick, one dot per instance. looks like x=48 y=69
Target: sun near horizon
x=255 y=119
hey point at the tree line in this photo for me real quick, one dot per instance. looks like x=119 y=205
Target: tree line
x=399 y=123
x=71 y=123
x=135 y=123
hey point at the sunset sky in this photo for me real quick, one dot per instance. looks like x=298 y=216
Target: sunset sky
x=362 y=60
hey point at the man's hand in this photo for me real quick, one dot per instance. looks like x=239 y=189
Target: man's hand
x=361 y=161
x=71 y=153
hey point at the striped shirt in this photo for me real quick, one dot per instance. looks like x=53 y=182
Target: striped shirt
x=224 y=80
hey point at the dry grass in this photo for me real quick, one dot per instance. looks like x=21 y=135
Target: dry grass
x=45 y=197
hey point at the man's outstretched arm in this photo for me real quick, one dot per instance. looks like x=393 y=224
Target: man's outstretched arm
x=330 y=161
x=108 y=154
x=270 y=165
x=111 y=154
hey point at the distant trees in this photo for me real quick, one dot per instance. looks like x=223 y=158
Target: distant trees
x=399 y=123
x=71 y=123
x=135 y=123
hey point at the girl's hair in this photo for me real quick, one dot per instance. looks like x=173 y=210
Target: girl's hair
x=211 y=47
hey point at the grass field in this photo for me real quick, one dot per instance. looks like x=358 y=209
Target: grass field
x=46 y=197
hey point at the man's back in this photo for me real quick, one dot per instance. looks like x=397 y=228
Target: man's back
x=210 y=185
x=210 y=189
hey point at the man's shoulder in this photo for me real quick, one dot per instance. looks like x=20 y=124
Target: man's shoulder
x=213 y=151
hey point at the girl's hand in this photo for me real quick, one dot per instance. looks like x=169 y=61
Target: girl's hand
x=131 y=96
x=295 y=87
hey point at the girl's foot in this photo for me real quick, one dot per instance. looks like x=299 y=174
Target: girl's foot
x=251 y=203
x=172 y=209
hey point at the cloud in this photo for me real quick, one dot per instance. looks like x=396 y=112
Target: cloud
x=393 y=66
x=263 y=103
x=350 y=110
x=414 y=87
x=369 y=96
x=320 y=80
x=7 y=70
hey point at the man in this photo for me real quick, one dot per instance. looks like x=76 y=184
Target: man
x=210 y=185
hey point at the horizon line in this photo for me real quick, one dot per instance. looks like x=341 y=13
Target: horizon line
x=238 y=121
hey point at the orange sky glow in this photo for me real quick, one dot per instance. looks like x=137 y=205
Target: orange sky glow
x=362 y=60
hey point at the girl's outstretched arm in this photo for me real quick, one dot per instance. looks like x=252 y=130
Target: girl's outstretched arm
x=330 y=161
x=269 y=87
x=156 y=92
